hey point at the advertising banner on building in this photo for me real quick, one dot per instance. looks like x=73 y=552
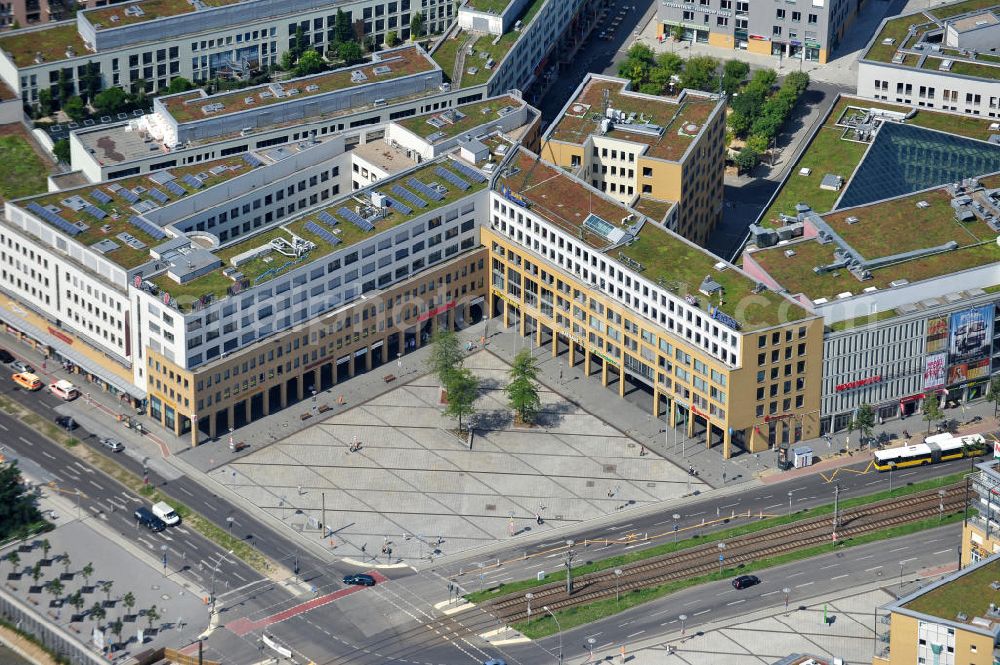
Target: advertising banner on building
x=935 y=370
x=937 y=334
x=970 y=334
x=968 y=371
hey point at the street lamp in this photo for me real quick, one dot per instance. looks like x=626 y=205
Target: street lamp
x=569 y=567
x=163 y=548
x=941 y=494
x=790 y=502
x=722 y=555
x=591 y=641
x=901 y=564
x=528 y=597
x=676 y=517
x=683 y=618
x=229 y=521
x=618 y=575
x=558 y=628
x=786 y=591
x=222 y=557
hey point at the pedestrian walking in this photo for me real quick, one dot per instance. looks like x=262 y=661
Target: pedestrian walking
x=560 y=375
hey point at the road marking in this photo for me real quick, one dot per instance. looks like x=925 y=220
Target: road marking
x=696 y=514
x=4 y=428
x=702 y=612
x=769 y=593
x=730 y=505
x=871 y=570
x=180 y=529
x=185 y=491
x=862 y=558
x=799 y=586
x=832 y=565
x=776 y=505
x=873 y=482
x=95 y=485
x=942 y=552
x=667 y=623
x=900 y=549
x=908 y=473
x=767 y=497
x=796 y=574
x=736 y=602
x=619 y=528
x=47 y=455
x=210 y=506
x=627 y=637
x=839 y=577
x=239 y=577
x=907 y=560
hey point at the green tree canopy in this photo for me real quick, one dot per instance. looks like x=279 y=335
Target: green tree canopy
x=311 y=62
x=351 y=53
x=733 y=74
x=746 y=159
x=18 y=512
x=932 y=410
x=700 y=73
x=417 y=26
x=391 y=38
x=179 y=84
x=75 y=108
x=463 y=387
x=342 y=30
x=61 y=150
x=445 y=356
x=522 y=391
x=111 y=100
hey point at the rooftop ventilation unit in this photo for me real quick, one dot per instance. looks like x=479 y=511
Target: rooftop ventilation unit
x=358 y=76
x=852 y=220
x=923 y=205
x=789 y=253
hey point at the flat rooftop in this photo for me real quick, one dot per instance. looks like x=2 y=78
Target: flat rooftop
x=323 y=224
x=190 y=106
x=110 y=229
x=961 y=597
x=833 y=150
x=447 y=124
x=886 y=229
x=664 y=257
x=128 y=13
x=489 y=6
x=380 y=154
x=923 y=47
x=681 y=119
x=50 y=43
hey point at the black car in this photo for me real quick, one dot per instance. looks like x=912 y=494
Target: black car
x=66 y=422
x=6 y=357
x=745 y=581
x=146 y=518
x=360 y=579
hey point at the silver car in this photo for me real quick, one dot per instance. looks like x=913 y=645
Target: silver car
x=114 y=445
x=22 y=367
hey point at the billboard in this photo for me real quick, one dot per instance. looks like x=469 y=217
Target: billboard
x=937 y=334
x=935 y=370
x=969 y=371
x=970 y=334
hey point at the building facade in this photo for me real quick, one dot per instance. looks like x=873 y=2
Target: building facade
x=808 y=31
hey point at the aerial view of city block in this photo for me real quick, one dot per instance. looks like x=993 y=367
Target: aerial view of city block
x=500 y=332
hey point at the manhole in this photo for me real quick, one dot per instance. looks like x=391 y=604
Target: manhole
x=590 y=483
x=155 y=587
x=610 y=468
x=165 y=596
x=650 y=484
x=491 y=507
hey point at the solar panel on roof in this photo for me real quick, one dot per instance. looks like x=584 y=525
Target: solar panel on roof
x=52 y=218
x=252 y=160
x=193 y=181
x=312 y=227
x=158 y=195
x=429 y=192
x=327 y=218
x=128 y=195
x=356 y=219
x=452 y=178
x=141 y=224
x=100 y=196
x=468 y=171
x=175 y=189
x=94 y=212
x=396 y=205
x=409 y=196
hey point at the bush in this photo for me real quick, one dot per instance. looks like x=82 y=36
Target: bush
x=61 y=150
x=746 y=159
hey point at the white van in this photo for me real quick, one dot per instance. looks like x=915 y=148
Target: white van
x=166 y=513
x=64 y=390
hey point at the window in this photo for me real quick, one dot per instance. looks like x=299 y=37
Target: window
x=779 y=14
x=776 y=31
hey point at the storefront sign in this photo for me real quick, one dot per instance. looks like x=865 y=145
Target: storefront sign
x=968 y=371
x=783 y=416
x=759 y=38
x=723 y=318
x=935 y=370
x=437 y=310
x=851 y=385
x=60 y=335
x=698 y=8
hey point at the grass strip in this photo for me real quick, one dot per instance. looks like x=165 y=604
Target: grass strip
x=543 y=625
x=129 y=480
x=503 y=589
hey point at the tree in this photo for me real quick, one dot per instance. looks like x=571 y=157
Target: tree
x=87 y=571
x=178 y=84
x=97 y=613
x=66 y=562
x=152 y=615
x=46 y=546
x=128 y=600
x=75 y=108
x=746 y=159
x=417 y=26
x=90 y=81
x=61 y=150
x=311 y=62
x=55 y=587
x=76 y=600
x=298 y=43
x=287 y=61
x=15 y=560
x=64 y=87
x=993 y=394
x=342 y=31
x=45 y=102
x=637 y=64
x=733 y=74
x=351 y=53
x=758 y=143
x=462 y=388
x=446 y=355
x=110 y=101
x=863 y=422
x=106 y=588
x=36 y=573
x=18 y=511
x=522 y=391
x=699 y=73
x=932 y=410
x=391 y=38
x=677 y=32
x=116 y=628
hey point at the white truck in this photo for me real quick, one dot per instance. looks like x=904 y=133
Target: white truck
x=166 y=513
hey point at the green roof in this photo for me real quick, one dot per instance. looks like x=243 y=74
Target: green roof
x=969 y=594
x=447 y=124
x=262 y=270
x=50 y=42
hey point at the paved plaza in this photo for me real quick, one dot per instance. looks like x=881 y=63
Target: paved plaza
x=419 y=486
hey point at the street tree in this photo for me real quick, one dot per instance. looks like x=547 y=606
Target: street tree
x=128 y=600
x=445 y=356
x=677 y=32
x=15 y=560
x=97 y=613
x=734 y=72
x=116 y=628
x=463 y=387
x=46 y=547
x=993 y=394
x=106 y=588
x=55 y=587
x=87 y=571
x=66 y=562
x=152 y=616
x=863 y=421
x=746 y=159
x=932 y=410
x=76 y=601
x=36 y=573
x=700 y=73
x=18 y=512
x=417 y=26
x=522 y=391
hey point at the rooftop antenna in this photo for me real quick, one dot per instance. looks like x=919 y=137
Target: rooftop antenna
x=606 y=102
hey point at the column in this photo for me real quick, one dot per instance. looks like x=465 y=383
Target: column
x=708 y=433
x=586 y=362
x=506 y=314
x=230 y=417
x=521 y=328
x=538 y=334
x=572 y=351
x=604 y=373
x=656 y=403
x=673 y=413
x=690 y=424
x=194 y=433
x=284 y=393
x=727 y=441
x=621 y=381
x=555 y=343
